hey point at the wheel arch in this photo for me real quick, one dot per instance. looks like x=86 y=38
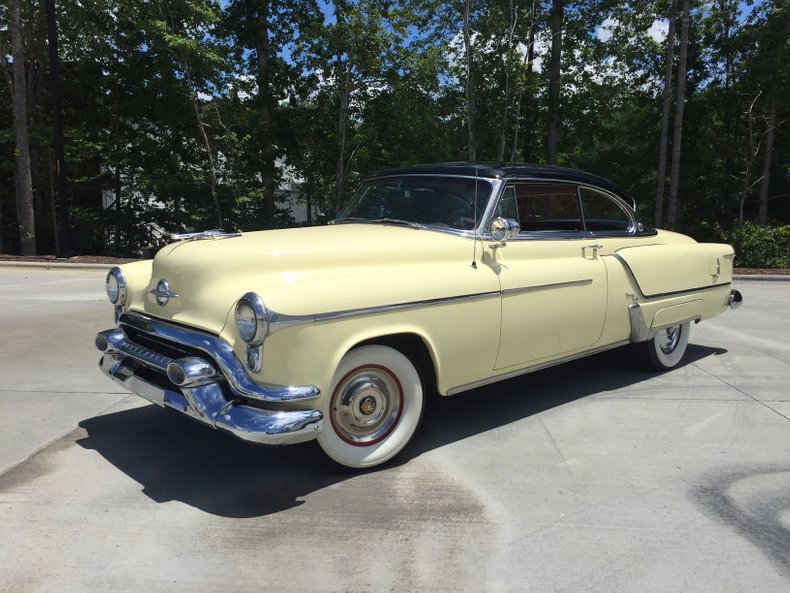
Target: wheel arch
x=414 y=347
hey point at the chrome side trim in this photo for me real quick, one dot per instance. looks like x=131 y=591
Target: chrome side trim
x=537 y=287
x=279 y=321
x=532 y=369
x=224 y=357
x=208 y=405
x=629 y=272
x=401 y=306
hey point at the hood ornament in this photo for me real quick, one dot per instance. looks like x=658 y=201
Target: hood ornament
x=212 y=234
x=162 y=293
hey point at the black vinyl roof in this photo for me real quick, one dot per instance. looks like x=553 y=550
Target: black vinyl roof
x=508 y=171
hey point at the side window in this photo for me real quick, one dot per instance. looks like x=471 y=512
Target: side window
x=507 y=204
x=548 y=207
x=602 y=213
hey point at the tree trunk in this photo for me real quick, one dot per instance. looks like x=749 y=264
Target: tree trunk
x=505 y=117
x=677 y=135
x=182 y=58
x=343 y=74
x=667 y=102
x=343 y=81
x=762 y=212
x=554 y=80
x=53 y=207
x=61 y=214
x=264 y=97
x=118 y=212
x=212 y=169
x=749 y=155
x=5 y=66
x=529 y=58
x=23 y=180
x=471 y=106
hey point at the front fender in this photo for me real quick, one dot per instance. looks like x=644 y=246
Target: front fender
x=462 y=351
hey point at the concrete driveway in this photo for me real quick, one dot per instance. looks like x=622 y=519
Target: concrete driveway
x=591 y=476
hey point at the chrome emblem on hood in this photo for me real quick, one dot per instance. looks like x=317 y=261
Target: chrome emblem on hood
x=163 y=293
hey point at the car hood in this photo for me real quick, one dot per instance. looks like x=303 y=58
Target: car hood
x=295 y=271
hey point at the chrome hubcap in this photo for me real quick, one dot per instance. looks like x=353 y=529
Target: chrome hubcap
x=668 y=339
x=366 y=405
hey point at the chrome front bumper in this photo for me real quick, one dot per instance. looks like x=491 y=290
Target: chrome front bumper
x=211 y=387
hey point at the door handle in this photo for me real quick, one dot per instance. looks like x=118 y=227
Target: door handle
x=595 y=248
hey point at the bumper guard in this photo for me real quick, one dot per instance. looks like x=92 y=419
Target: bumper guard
x=196 y=387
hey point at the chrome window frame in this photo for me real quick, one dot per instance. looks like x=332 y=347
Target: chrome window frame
x=569 y=184
x=633 y=230
x=498 y=185
x=481 y=229
x=619 y=202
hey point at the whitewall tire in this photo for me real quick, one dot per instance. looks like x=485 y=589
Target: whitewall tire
x=666 y=349
x=374 y=407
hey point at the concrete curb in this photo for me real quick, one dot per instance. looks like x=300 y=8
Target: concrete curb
x=760 y=278
x=54 y=265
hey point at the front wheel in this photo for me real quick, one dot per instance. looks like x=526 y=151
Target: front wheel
x=375 y=407
x=667 y=347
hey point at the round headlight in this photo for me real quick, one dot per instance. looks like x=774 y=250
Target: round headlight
x=252 y=319
x=116 y=287
x=246 y=322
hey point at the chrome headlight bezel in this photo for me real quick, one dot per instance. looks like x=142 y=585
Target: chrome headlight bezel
x=256 y=334
x=115 y=286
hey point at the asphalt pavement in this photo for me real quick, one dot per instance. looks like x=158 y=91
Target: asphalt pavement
x=590 y=476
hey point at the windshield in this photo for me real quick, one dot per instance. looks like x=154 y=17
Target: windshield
x=420 y=200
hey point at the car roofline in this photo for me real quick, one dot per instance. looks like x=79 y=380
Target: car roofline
x=487 y=170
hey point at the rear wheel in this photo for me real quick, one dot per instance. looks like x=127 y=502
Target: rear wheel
x=667 y=347
x=375 y=407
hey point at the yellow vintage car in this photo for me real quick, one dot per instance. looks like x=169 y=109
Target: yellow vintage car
x=434 y=278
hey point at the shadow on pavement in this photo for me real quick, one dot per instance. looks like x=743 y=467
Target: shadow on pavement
x=177 y=459
x=752 y=502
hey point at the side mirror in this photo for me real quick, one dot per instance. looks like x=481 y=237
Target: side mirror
x=502 y=229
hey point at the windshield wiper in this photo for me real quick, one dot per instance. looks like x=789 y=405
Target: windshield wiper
x=348 y=219
x=385 y=220
x=414 y=225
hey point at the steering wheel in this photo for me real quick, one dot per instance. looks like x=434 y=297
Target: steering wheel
x=462 y=215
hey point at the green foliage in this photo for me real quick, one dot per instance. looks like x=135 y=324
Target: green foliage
x=761 y=247
x=137 y=160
